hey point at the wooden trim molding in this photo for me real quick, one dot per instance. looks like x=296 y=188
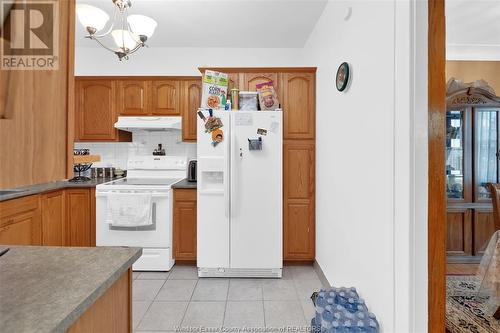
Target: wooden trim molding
x=436 y=164
x=260 y=69
x=138 y=78
x=70 y=122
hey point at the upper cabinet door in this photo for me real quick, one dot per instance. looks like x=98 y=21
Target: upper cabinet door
x=298 y=105
x=132 y=97
x=250 y=80
x=165 y=97
x=191 y=101
x=95 y=110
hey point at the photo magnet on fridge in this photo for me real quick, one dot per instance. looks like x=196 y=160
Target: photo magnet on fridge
x=217 y=137
x=202 y=116
x=212 y=124
x=261 y=131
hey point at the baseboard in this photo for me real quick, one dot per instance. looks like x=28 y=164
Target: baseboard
x=321 y=275
x=296 y=262
x=184 y=262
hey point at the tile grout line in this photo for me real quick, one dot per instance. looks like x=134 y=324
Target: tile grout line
x=225 y=305
x=263 y=305
x=152 y=301
x=190 y=298
x=300 y=301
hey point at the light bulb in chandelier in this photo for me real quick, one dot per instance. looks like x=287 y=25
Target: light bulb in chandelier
x=92 y=18
x=124 y=39
x=142 y=26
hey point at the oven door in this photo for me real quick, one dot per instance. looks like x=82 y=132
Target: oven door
x=157 y=235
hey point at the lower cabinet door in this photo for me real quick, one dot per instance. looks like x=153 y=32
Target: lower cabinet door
x=53 y=218
x=78 y=217
x=298 y=201
x=484 y=228
x=184 y=224
x=21 y=229
x=459 y=232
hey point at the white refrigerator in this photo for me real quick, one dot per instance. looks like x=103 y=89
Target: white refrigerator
x=239 y=220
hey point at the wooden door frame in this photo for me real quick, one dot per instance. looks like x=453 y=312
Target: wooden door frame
x=436 y=166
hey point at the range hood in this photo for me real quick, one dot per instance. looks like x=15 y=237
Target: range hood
x=152 y=123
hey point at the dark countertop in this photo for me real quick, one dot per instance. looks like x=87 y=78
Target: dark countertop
x=46 y=289
x=185 y=184
x=46 y=187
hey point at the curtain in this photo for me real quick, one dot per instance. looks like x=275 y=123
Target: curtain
x=486 y=136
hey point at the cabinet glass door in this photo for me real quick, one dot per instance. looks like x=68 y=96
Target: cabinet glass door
x=455 y=154
x=486 y=146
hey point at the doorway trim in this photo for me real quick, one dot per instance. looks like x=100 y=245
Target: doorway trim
x=436 y=166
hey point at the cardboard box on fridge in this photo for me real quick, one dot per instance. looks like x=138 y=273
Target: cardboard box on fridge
x=214 y=90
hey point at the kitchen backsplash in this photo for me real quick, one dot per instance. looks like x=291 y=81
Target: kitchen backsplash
x=116 y=154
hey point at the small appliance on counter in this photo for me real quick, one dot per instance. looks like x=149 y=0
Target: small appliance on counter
x=192 y=171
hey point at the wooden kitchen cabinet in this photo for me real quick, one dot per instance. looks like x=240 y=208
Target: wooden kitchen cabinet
x=298 y=103
x=459 y=232
x=190 y=102
x=78 y=217
x=299 y=201
x=132 y=97
x=95 y=113
x=184 y=225
x=20 y=221
x=165 y=98
x=250 y=80
x=484 y=228
x=53 y=218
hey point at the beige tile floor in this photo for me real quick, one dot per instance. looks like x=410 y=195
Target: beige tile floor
x=178 y=300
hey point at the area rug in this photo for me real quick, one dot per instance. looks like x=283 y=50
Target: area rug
x=464 y=310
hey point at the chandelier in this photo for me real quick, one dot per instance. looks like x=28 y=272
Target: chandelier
x=129 y=33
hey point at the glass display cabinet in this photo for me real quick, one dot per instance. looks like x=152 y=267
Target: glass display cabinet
x=472 y=161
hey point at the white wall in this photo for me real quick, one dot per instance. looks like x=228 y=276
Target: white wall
x=181 y=61
x=366 y=148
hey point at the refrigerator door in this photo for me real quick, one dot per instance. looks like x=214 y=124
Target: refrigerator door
x=213 y=195
x=256 y=190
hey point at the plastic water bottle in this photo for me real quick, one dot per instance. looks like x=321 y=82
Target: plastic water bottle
x=319 y=315
x=348 y=326
x=315 y=328
x=332 y=295
x=361 y=315
x=361 y=306
x=321 y=299
x=360 y=327
x=335 y=327
x=327 y=318
x=351 y=305
x=341 y=298
x=372 y=326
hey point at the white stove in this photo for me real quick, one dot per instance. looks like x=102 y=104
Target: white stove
x=137 y=210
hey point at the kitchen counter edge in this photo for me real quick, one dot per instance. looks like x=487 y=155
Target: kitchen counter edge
x=185 y=184
x=24 y=191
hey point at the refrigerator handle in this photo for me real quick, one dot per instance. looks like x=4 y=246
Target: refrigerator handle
x=227 y=182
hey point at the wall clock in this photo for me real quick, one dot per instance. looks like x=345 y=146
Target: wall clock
x=342 y=77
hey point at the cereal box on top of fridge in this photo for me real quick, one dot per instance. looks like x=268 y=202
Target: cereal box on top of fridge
x=214 y=90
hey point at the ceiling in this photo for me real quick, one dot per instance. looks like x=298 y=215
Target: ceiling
x=473 y=24
x=226 y=23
